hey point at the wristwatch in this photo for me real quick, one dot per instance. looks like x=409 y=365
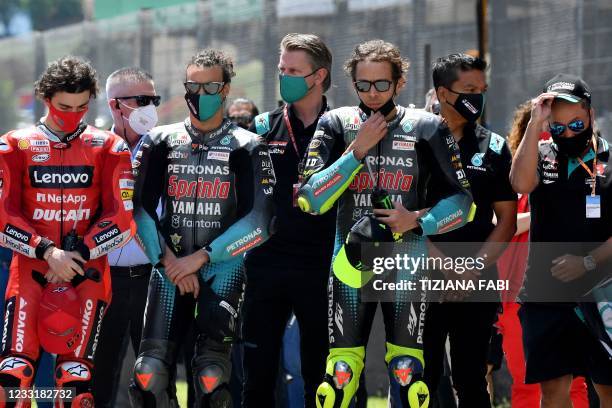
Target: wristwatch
x=589 y=263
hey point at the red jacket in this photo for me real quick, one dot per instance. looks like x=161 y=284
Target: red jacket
x=47 y=185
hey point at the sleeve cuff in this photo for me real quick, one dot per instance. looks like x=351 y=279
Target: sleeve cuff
x=355 y=160
x=42 y=247
x=428 y=224
x=209 y=252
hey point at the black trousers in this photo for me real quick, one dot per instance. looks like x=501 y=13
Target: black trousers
x=271 y=295
x=124 y=316
x=468 y=326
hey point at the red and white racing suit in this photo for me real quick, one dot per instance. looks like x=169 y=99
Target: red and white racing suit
x=49 y=186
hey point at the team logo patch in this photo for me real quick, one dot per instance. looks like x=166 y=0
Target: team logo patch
x=408 y=126
x=402 y=145
x=23 y=144
x=477 y=159
x=223 y=156
x=497 y=143
x=38 y=158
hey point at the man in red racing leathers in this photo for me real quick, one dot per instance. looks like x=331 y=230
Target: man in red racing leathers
x=55 y=176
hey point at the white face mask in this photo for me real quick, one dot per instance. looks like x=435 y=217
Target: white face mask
x=143 y=119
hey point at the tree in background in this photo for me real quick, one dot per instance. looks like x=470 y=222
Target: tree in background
x=8 y=8
x=8 y=111
x=46 y=14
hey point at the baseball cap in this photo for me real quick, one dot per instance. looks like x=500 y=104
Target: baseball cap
x=351 y=264
x=569 y=88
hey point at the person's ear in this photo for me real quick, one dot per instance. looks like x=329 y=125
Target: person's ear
x=442 y=94
x=226 y=89
x=321 y=75
x=400 y=85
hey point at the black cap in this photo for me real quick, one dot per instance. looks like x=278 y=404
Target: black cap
x=569 y=87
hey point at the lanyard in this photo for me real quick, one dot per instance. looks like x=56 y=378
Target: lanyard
x=594 y=172
x=290 y=130
x=136 y=148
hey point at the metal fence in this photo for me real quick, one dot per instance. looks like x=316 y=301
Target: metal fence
x=529 y=41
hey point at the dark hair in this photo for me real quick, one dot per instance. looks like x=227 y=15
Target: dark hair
x=244 y=101
x=132 y=75
x=446 y=69
x=521 y=118
x=320 y=56
x=67 y=74
x=211 y=58
x=377 y=51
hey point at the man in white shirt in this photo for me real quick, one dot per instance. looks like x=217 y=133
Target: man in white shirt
x=132 y=101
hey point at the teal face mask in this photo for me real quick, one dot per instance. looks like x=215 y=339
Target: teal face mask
x=293 y=88
x=203 y=106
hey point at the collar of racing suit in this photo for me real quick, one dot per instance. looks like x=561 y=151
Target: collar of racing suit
x=67 y=138
x=205 y=137
x=399 y=114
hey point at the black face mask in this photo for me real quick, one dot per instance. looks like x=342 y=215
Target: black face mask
x=470 y=106
x=574 y=146
x=385 y=109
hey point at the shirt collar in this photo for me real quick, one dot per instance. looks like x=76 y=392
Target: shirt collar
x=136 y=146
x=297 y=123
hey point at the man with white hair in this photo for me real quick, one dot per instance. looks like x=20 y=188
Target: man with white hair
x=132 y=101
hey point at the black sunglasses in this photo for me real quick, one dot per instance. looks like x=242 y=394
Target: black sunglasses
x=381 y=85
x=210 y=88
x=143 y=100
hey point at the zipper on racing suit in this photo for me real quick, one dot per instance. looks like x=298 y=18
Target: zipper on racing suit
x=194 y=230
x=61 y=195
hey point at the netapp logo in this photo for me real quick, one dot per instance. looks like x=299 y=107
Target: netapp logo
x=61 y=176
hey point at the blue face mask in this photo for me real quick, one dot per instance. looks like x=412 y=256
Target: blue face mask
x=203 y=107
x=293 y=88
